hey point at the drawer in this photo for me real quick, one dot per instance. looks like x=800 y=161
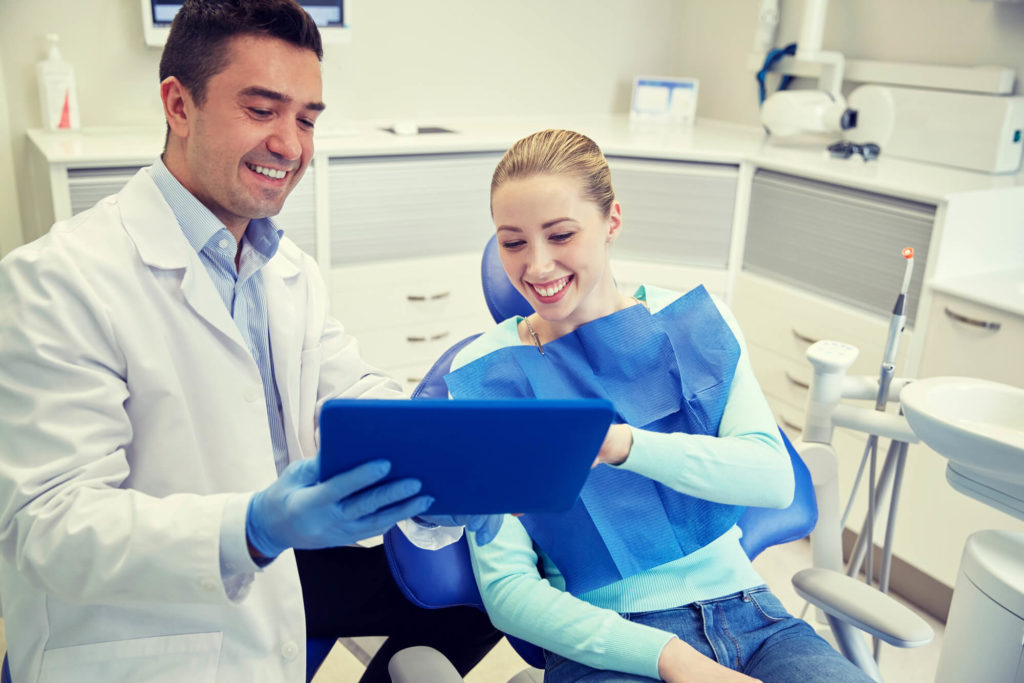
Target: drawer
x=780 y=376
x=397 y=347
x=416 y=292
x=973 y=340
x=410 y=375
x=782 y=319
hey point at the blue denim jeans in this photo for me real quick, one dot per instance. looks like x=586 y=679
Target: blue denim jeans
x=749 y=631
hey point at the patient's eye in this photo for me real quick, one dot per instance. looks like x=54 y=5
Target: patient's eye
x=512 y=244
x=561 y=236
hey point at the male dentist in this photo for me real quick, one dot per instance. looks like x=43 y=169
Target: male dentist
x=163 y=358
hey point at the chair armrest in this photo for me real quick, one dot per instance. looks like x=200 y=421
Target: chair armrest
x=856 y=603
x=421 y=663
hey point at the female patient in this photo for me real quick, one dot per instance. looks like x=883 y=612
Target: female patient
x=645 y=577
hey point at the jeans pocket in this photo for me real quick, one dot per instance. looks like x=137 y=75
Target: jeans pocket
x=768 y=605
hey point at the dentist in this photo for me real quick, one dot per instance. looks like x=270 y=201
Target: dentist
x=163 y=358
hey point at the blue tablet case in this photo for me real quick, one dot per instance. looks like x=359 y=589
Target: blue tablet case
x=473 y=456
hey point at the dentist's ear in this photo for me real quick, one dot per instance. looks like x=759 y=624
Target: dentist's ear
x=177 y=103
x=614 y=221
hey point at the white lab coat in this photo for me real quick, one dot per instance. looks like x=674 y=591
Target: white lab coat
x=131 y=414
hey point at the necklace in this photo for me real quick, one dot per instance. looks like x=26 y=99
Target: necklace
x=536 y=339
x=533 y=335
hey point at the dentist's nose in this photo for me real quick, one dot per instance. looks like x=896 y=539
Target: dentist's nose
x=284 y=141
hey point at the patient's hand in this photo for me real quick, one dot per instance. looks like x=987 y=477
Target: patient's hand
x=680 y=663
x=615 y=448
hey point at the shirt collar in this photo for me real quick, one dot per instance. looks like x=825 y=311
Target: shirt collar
x=198 y=223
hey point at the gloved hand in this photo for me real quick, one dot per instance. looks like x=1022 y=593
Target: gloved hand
x=297 y=511
x=484 y=526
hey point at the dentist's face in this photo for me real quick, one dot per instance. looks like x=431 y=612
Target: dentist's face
x=249 y=143
x=554 y=245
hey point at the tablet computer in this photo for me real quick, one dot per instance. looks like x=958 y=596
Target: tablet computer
x=473 y=456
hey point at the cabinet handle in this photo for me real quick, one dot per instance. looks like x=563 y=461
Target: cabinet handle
x=793 y=380
x=422 y=338
x=786 y=423
x=984 y=324
x=432 y=297
x=804 y=337
x=413 y=380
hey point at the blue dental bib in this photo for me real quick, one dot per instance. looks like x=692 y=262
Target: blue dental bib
x=670 y=371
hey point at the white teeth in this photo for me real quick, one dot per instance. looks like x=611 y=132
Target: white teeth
x=553 y=289
x=269 y=172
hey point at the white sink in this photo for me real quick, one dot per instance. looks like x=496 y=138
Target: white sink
x=975 y=423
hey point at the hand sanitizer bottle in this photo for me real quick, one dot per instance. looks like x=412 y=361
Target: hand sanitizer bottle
x=57 y=96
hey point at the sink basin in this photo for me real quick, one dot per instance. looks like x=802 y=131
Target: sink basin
x=974 y=422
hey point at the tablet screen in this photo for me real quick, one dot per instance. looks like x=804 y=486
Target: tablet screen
x=473 y=457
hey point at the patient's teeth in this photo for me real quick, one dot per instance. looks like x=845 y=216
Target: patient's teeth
x=553 y=289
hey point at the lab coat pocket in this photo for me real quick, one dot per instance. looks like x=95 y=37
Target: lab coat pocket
x=309 y=386
x=191 y=657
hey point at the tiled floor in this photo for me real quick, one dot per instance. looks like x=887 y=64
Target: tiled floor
x=776 y=565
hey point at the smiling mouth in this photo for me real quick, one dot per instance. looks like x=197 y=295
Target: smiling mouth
x=272 y=173
x=547 y=289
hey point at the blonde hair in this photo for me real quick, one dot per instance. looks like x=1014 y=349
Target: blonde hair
x=558 y=153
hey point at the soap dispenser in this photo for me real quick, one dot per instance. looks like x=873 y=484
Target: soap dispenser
x=57 y=96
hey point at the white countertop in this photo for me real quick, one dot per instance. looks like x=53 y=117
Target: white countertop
x=707 y=141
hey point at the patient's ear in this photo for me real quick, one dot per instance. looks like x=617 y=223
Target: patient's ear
x=614 y=221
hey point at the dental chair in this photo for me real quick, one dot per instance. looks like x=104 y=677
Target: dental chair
x=434 y=579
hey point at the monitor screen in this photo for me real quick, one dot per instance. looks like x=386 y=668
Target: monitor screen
x=329 y=15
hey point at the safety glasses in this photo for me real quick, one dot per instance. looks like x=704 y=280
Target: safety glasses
x=845 y=150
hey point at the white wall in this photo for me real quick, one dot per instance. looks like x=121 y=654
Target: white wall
x=10 y=216
x=408 y=59
x=716 y=37
x=420 y=60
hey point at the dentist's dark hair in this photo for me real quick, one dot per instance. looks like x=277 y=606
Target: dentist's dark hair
x=197 y=46
x=559 y=153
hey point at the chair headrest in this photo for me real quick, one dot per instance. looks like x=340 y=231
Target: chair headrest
x=503 y=299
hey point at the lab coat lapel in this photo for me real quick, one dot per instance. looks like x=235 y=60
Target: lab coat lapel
x=153 y=228
x=280 y=277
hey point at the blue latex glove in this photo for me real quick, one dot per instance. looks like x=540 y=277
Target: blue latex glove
x=484 y=526
x=297 y=511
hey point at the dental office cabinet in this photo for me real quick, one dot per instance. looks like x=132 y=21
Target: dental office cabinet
x=801 y=245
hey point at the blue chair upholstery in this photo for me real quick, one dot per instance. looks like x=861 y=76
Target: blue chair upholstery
x=317 y=650
x=503 y=299
x=764 y=527
x=443 y=578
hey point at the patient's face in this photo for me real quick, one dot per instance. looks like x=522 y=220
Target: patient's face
x=554 y=246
